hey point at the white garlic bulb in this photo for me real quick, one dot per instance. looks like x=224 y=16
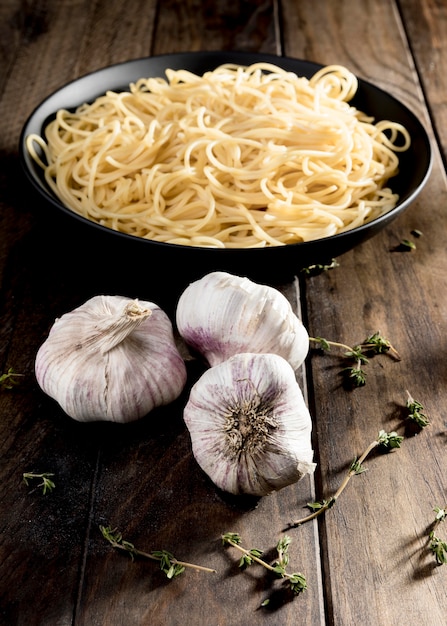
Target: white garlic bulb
x=112 y=358
x=221 y=315
x=249 y=425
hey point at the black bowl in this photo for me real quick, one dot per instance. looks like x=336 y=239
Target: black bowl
x=185 y=263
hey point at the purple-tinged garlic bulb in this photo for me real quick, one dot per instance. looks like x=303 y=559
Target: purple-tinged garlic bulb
x=111 y=359
x=249 y=425
x=221 y=315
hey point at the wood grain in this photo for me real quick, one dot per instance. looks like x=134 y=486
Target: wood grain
x=366 y=560
x=425 y=26
x=216 y=25
x=376 y=288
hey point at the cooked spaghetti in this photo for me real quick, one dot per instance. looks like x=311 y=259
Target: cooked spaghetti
x=239 y=157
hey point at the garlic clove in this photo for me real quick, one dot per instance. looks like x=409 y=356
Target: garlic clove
x=222 y=314
x=249 y=425
x=113 y=359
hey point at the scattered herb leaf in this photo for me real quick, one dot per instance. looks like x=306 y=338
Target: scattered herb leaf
x=415 y=412
x=378 y=345
x=47 y=484
x=356 y=375
x=322 y=504
x=324 y=344
x=437 y=545
x=441 y=514
x=439 y=548
x=356 y=467
x=318 y=268
x=9 y=380
x=406 y=245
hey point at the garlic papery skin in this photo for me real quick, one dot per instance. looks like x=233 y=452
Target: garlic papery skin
x=221 y=315
x=249 y=425
x=111 y=359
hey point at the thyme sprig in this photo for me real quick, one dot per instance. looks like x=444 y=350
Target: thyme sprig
x=296 y=581
x=359 y=354
x=9 y=380
x=47 y=484
x=318 y=268
x=386 y=441
x=437 y=545
x=171 y=566
x=415 y=412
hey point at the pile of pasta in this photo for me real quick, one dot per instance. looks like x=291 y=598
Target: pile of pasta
x=240 y=157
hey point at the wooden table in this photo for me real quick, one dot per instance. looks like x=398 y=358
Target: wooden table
x=367 y=559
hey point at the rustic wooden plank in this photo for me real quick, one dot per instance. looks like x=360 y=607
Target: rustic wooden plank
x=162 y=501
x=42 y=539
x=152 y=490
x=191 y=27
x=143 y=478
x=37 y=533
x=426 y=25
x=216 y=25
x=191 y=504
x=120 y=467
x=375 y=538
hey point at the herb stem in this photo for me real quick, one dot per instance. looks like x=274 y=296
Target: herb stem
x=376 y=342
x=116 y=540
x=335 y=344
x=248 y=553
x=154 y=557
x=296 y=580
x=391 y=440
x=47 y=484
x=353 y=471
x=9 y=379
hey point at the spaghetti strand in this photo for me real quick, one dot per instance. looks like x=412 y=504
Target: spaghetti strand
x=239 y=157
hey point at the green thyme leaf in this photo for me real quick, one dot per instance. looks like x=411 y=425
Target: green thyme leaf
x=415 y=412
x=439 y=549
x=356 y=375
x=389 y=440
x=298 y=583
x=318 y=268
x=441 y=514
x=357 y=467
x=9 y=379
x=229 y=538
x=406 y=244
x=47 y=484
x=322 y=504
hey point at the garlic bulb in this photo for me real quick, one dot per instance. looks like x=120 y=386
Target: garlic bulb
x=249 y=425
x=111 y=359
x=221 y=315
